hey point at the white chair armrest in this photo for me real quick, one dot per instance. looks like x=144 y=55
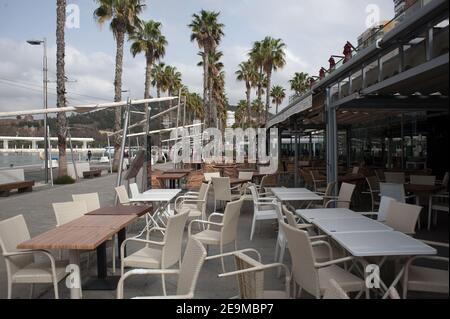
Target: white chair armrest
x=234 y=253
x=436 y=244
x=215 y=215
x=333 y=262
x=324 y=243
x=335 y=201
x=201 y=222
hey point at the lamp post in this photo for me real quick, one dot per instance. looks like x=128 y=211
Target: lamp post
x=45 y=75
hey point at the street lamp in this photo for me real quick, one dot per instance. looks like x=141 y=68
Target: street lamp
x=45 y=74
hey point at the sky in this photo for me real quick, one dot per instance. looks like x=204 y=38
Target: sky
x=313 y=30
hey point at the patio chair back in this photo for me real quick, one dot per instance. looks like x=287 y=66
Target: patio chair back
x=92 y=200
x=251 y=284
x=289 y=217
x=392 y=190
x=14 y=231
x=334 y=291
x=66 y=212
x=230 y=221
x=245 y=175
x=445 y=180
x=373 y=184
x=173 y=237
x=345 y=195
x=355 y=170
x=255 y=196
x=134 y=189
x=403 y=217
x=304 y=271
x=385 y=207
x=203 y=195
x=222 y=188
x=122 y=194
x=209 y=176
x=194 y=257
x=422 y=180
x=394 y=177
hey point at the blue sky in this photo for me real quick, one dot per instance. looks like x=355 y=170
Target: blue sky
x=312 y=30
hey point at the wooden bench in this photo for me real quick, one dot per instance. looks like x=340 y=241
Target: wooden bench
x=92 y=173
x=22 y=187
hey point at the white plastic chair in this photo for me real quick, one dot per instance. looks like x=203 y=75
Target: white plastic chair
x=250 y=276
x=195 y=203
x=263 y=210
x=210 y=176
x=134 y=189
x=21 y=265
x=438 y=203
x=426 y=279
x=345 y=196
x=92 y=200
x=403 y=217
x=158 y=254
x=422 y=180
x=188 y=273
x=383 y=209
x=122 y=195
x=222 y=190
x=395 y=191
x=355 y=170
x=313 y=276
x=227 y=232
x=245 y=175
x=394 y=177
x=69 y=211
x=373 y=190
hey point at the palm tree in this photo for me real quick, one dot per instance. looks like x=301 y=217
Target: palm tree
x=241 y=114
x=147 y=39
x=124 y=18
x=61 y=85
x=300 y=83
x=247 y=73
x=258 y=108
x=207 y=31
x=278 y=94
x=172 y=80
x=158 y=79
x=257 y=60
x=270 y=55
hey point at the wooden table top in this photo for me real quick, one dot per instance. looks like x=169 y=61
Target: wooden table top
x=234 y=181
x=139 y=211
x=423 y=189
x=351 y=178
x=177 y=171
x=167 y=176
x=84 y=233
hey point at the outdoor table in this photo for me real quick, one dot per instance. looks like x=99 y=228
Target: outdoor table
x=171 y=178
x=85 y=233
x=383 y=244
x=295 y=195
x=344 y=225
x=281 y=190
x=234 y=181
x=119 y=210
x=161 y=199
x=310 y=215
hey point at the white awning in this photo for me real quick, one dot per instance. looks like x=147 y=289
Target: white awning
x=302 y=104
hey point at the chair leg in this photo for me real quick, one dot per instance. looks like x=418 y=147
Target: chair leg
x=253 y=228
x=163 y=279
x=221 y=258
x=31 y=291
x=280 y=260
x=55 y=288
x=430 y=213
x=114 y=255
x=276 y=251
x=10 y=284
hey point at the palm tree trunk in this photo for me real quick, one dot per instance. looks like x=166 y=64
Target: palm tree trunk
x=61 y=85
x=269 y=79
x=249 y=97
x=277 y=108
x=206 y=105
x=120 y=39
x=148 y=80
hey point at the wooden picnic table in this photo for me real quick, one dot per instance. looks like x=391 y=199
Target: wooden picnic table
x=171 y=178
x=119 y=210
x=85 y=233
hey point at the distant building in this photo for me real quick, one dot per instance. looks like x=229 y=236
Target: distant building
x=401 y=6
x=373 y=34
